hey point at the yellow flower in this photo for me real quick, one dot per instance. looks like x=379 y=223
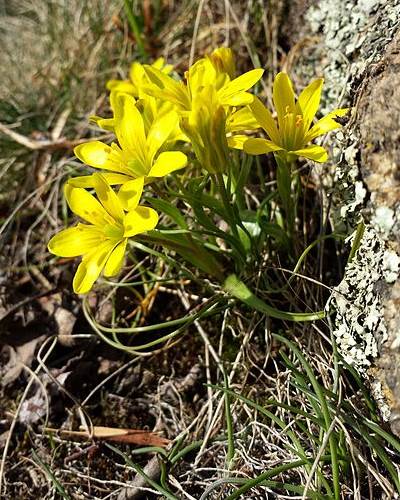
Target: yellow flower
x=205 y=126
x=151 y=109
x=101 y=242
x=223 y=61
x=138 y=153
x=216 y=70
x=138 y=78
x=291 y=134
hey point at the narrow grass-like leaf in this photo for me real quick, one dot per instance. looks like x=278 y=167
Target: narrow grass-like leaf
x=239 y=290
x=167 y=208
x=167 y=494
x=324 y=409
x=229 y=424
x=56 y=483
x=262 y=479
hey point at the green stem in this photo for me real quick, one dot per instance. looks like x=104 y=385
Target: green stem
x=284 y=182
x=235 y=287
x=357 y=241
x=227 y=205
x=135 y=28
x=229 y=424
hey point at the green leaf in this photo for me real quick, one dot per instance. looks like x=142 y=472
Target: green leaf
x=239 y=290
x=168 y=209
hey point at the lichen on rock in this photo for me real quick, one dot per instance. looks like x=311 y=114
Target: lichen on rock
x=357 y=303
x=355 y=35
x=359 y=56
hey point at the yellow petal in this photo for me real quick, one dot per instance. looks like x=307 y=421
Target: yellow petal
x=326 y=124
x=140 y=220
x=166 y=88
x=283 y=97
x=116 y=259
x=240 y=99
x=108 y=198
x=237 y=141
x=264 y=118
x=104 y=123
x=243 y=119
x=124 y=86
x=200 y=75
x=87 y=181
x=168 y=162
x=158 y=63
x=136 y=75
x=129 y=126
x=100 y=155
x=113 y=99
x=75 y=241
x=238 y=85
x=308 y=102
x=159 y=132
x=130 y=193
x=91 y=266
x=223 y=60
x=85 y=205
x=260 y=146
x=315 y=153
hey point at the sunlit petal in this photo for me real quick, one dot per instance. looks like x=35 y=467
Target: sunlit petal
x=264 y=117
x=130 y=193
x=237 y=141
x=108 y=198
x=104 y=123
x=85 y=205
x=260 y=146
x=165 y=87
x=313 y=152
x=239 y=99
x=91 y=266
x=75 y=241
x=326 y=124
x=129 y=126
x=240 y=84
x=124 y=86
x=87 y=181
x=283 y=97
x=168 y=162
x=116 y=259
x=243 y=119
x=140 y=220
x=100 y=155
x=159 y=132
x=308 y=102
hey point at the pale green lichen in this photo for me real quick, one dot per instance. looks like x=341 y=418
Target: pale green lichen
x=354 y=36
x=357 y=302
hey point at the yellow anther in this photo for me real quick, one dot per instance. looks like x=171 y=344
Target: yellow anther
x=299 y=120
x=287 y=109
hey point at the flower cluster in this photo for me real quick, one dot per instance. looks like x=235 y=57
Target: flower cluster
x=153 y=115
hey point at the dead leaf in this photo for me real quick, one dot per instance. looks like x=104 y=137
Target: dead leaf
x=129 y=436
x=64 y=319
x=20 y=356
x=35 y=408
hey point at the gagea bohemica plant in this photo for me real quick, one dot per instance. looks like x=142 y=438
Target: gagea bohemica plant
x=173 y=182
